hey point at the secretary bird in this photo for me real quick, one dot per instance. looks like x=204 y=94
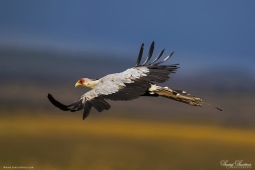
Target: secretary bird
x=137 y=81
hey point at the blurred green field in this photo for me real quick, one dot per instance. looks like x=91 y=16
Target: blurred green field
x=100 y=143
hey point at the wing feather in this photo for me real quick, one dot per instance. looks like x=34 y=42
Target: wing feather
x=149 y=54
x=57 y=103
x=98 y=103
x=140 y=55
x=86 y=110
x=158 y=57
x=165 y=59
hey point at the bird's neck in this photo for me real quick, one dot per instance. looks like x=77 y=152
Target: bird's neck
x=92 y=83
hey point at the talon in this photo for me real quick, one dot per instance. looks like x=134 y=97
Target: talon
x=195 y=104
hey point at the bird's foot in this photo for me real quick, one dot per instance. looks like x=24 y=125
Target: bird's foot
x=195 y=104
x=195 y=99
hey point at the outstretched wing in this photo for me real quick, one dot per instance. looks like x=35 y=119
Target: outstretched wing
x=82 y=103
x=157 y=73
x=135 y=81
x=119 y=86
x=126 y=85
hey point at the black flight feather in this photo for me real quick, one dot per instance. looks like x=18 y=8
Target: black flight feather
x=165 y=59
x=160 y=54
x=57 y=103
x=150 y=53
x=140 y=55
x=86 y=111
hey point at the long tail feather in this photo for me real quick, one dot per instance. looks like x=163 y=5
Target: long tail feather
x=212 y=106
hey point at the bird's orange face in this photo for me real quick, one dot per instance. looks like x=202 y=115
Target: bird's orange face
x=80 y=82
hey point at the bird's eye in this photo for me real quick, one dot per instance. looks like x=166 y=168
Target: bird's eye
x=82 y=81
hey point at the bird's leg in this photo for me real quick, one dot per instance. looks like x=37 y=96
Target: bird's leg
x=193 y=101
x=172 y=94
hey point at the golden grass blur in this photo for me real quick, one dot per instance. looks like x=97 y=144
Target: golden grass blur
x=135 y=129
x=67 y=142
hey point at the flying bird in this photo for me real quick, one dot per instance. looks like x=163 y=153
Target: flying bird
x=137 y=81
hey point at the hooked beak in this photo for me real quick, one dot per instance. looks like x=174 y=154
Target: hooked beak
x=78 y=84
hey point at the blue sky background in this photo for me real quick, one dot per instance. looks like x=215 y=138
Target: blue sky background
x=203 y=34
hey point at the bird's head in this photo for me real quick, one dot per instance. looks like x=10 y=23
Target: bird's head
x=81 y=82
x=90 y=83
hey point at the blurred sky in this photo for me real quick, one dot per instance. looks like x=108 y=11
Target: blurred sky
x=202 y=33
x=213 y=42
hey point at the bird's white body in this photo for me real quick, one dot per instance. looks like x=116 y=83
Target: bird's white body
x=112 y=83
